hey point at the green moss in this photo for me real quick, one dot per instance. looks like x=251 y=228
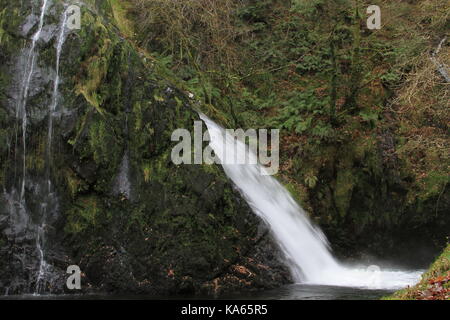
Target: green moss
x=434 y=184
x=98 y=135
x=84 y=214
x=95 y=67
x=3 y=35
x=345 y=181
x=10 y=20
x=75 y=184
x=439 y=268
x=35 y=159
x=119 y=10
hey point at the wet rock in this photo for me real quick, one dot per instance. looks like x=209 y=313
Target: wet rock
x=29 y=23
x=115 y=204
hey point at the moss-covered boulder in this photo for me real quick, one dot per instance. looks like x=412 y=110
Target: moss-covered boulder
x=107 y=197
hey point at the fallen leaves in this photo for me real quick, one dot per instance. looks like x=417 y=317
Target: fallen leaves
x=242 y=270
x=437 y=289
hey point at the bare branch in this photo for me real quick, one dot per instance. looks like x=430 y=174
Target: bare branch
x=441 y=68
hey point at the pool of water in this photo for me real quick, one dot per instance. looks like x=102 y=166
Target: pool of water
x=289 y=292
x=316 y=292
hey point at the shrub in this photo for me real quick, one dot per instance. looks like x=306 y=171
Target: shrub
x=201 y=31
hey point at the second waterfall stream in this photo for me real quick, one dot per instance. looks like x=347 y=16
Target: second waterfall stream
x=303 y=244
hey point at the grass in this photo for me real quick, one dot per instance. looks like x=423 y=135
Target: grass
x=120 y=10
x=200 y=31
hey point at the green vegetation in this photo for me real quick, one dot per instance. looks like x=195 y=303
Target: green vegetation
x=363 y=117
x=434 y=285
x=362 y=112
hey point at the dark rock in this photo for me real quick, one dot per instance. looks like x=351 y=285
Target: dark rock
x=178 y=229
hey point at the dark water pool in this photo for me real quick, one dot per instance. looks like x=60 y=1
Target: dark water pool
x=315 y=292
x=290 y=292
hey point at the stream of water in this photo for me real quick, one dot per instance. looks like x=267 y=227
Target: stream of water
x=21 y=111
x=305 y=247
x=26 y=224
x=50 y=203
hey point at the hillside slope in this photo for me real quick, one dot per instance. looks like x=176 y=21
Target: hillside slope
x=363 y=114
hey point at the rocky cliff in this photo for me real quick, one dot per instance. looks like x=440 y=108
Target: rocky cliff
x=91 y=183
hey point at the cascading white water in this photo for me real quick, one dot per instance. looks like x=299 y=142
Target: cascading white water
x=50 y=199
x=54 y=102
x=122 y=184
x=303 y=244
x=21 y=110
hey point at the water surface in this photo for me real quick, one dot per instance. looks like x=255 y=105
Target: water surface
x=288 y=292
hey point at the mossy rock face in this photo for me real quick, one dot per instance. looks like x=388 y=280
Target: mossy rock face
x=120 y=209
x=361 y=202
x=359 y=192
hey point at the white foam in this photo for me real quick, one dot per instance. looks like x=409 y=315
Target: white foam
x=303 y=244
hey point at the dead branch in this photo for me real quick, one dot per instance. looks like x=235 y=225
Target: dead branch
x=441 y=68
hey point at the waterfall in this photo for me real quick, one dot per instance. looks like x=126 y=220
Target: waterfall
x=50 y=203
x=24 y=90
x=304 y=246
x=54 y=101
x=122 y=183
x=22 y=226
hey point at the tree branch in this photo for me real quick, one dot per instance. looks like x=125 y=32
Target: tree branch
x=441 y=68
